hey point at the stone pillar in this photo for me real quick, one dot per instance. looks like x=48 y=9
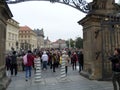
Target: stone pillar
x=92 y=40
x=5 y=14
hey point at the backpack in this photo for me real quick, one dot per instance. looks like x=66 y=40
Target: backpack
x=25 y=59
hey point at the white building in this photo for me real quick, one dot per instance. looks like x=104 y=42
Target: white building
x=12 y=33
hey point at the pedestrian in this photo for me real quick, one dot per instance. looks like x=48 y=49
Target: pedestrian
x=74 y=60
x=50 y=60
x=44 y=60
x=65 y=57
x=7 y=64
x=54 y=61
x=115 y=59
x=80 y=60
x=28 y=64
x=13 y=64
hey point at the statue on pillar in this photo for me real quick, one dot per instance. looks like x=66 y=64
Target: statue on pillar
x=102 y=4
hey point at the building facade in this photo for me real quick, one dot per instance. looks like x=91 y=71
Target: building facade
x=61 y=44
x=27 y=38
x=40 y=38
x=47 y=43
x=12 y=34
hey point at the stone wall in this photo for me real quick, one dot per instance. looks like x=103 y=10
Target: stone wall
x=4 y=15
x=92 y=37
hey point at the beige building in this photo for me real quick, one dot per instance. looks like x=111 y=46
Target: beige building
x=40 y=38
x=61 y=44
x=27 y=38
x=12 y=33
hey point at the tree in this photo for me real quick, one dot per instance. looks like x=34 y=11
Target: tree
x=70 y=43
x=79 y=43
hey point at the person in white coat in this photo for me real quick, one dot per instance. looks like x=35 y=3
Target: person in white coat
x=65 y=57
x=44 y=60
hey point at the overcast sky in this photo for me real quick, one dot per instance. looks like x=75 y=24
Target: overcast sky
x=57 y=20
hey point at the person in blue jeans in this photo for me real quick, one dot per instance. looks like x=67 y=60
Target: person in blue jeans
x=28 y=65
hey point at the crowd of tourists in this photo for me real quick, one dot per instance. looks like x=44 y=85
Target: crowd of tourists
x=53 y=59
x=49 y=59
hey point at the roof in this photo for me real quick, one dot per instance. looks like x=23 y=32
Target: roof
x=25 y=28
x=39 y=32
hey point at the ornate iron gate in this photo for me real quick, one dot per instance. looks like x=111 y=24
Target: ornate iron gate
x=110 y=32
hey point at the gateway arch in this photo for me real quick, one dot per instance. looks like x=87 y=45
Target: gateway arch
x=101 y=34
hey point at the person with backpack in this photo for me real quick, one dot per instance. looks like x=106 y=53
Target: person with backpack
x=28 y=65
x=115 y=59
x=13 y=64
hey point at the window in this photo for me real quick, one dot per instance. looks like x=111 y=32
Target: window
x=12 y=36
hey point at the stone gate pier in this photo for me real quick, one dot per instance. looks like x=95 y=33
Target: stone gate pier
x=5 y=14
x=92 y=37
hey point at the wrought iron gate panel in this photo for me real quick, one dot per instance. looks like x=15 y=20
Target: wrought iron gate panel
x=110 y=33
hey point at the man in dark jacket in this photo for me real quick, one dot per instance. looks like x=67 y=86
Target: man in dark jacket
x=13 y=63
x=80 y=60
x=115 y=59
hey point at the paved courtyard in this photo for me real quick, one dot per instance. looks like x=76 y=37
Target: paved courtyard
x=52 y=81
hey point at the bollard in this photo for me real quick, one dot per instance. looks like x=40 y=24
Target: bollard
x=37 y=70
x=63 y=74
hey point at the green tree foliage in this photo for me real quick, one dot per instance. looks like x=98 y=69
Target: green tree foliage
x=71 y=42
x=67 y=43
x=79 y=43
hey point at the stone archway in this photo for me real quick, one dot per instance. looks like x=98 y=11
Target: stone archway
x=91 y=34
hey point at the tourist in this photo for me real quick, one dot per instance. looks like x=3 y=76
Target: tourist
x=28 y=65
x=44 y=60
x=115 y=59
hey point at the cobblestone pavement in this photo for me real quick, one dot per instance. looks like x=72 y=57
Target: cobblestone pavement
x=52 y=81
